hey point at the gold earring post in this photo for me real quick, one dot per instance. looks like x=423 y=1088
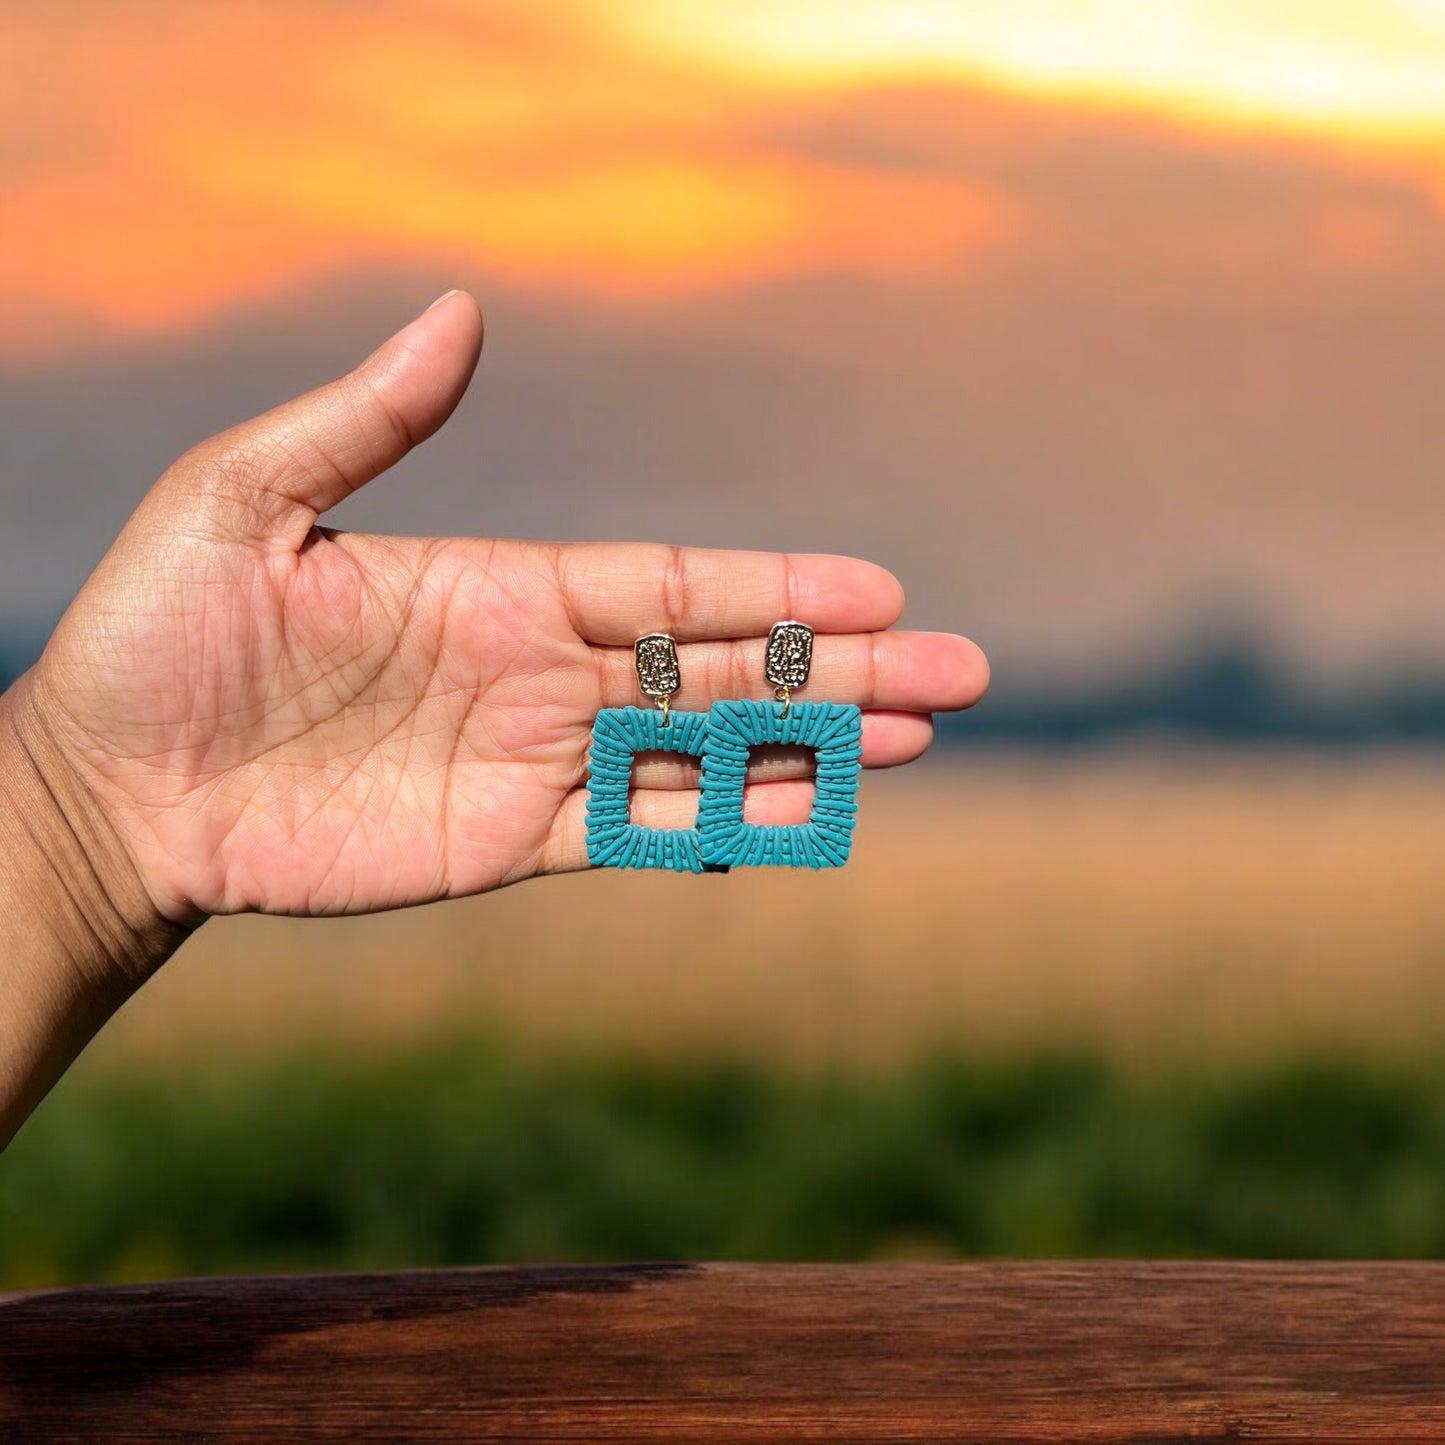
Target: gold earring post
x=658 y=673
x=790 y=659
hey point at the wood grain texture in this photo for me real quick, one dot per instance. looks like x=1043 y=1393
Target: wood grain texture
x=1117 y=1352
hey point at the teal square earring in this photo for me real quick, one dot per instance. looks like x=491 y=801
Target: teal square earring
x=833 y=730
x=618 y=735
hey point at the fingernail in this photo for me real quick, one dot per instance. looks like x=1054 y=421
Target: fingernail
x=455 y=291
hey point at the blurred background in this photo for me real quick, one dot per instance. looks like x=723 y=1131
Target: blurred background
x=1114 y=328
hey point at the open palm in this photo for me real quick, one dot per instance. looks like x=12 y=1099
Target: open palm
x=280 y=717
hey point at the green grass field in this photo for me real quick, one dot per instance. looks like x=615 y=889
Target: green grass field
x=461 y=1153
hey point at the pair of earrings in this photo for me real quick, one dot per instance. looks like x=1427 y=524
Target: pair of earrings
x=721 y=838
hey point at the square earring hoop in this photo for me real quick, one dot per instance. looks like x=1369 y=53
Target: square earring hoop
x=613 y=839
x=833 y=730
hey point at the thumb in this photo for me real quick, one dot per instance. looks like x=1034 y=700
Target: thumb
x=288 y=465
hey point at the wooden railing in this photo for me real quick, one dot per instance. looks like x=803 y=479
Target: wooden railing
x=972 y=1352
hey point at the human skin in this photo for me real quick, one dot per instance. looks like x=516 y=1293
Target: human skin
x=243 y=711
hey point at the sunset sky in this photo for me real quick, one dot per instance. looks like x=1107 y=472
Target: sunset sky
x=166 y=161
x=1195 y=247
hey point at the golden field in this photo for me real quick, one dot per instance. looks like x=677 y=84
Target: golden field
x=1155 y=906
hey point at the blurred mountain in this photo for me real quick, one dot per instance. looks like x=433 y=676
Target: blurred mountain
x=1226 y=687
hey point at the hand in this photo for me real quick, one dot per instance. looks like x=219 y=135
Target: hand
x=243 y=710
x=276 y=716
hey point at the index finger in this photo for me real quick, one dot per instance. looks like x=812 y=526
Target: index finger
x=618 y=591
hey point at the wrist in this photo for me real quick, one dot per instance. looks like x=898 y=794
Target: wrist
x=80 y=933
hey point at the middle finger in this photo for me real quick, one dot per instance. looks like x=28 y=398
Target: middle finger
x=919 y=672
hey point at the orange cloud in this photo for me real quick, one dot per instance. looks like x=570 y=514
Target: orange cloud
x=224 y=156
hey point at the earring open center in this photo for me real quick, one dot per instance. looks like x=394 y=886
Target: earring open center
x=781 y=784
x=666 y=778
